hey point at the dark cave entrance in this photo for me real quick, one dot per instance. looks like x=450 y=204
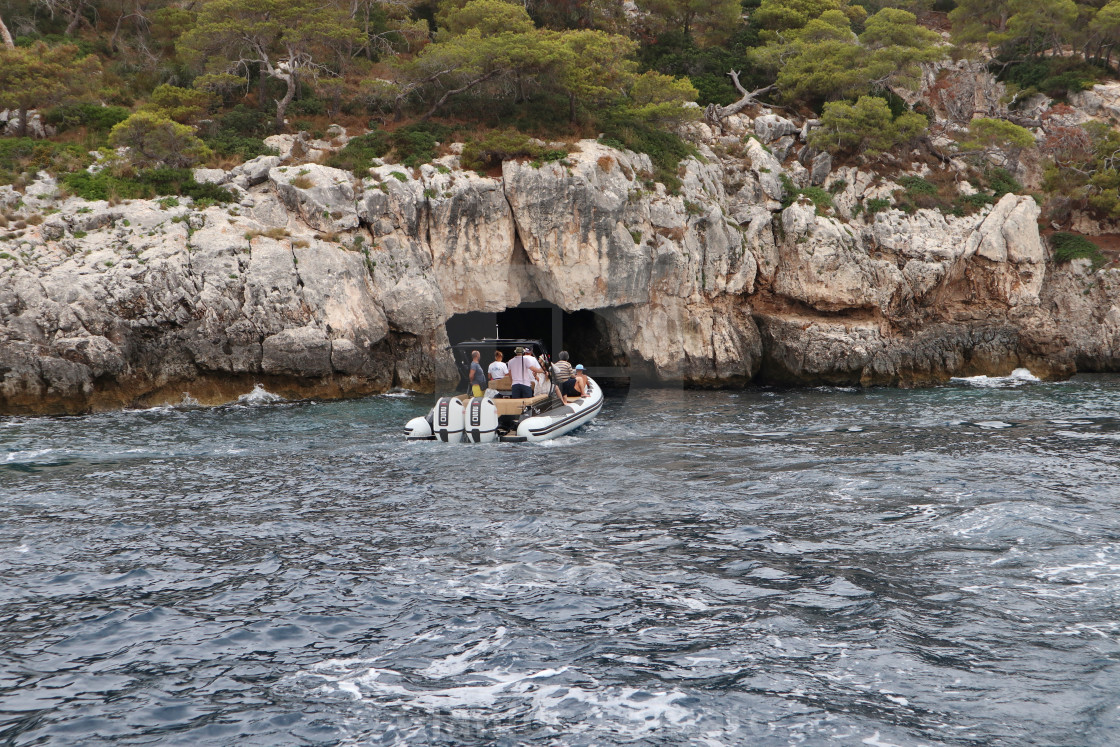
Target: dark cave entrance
x=585 y=334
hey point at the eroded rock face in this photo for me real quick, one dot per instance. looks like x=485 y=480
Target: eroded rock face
x=958 y=91
x=824 y=264
x=323 y=197
x=316 y=283
x=147 y=307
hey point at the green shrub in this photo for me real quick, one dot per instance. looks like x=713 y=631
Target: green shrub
x=1001 y=182
x=969 y=204
x=819 y=197
x=498 y=146
x=789 y=191
x=241 y=120
x=145 y=185
x=664 y=148
x=22 y=155
x=916 y=185
x=167 y=181
x=309 y=106
x=415 y=144
x=1056 y=77
x=184 y=105
x=105 y=186
x=877 y=204
x=1070 y=246
x=94 y=117
x=228 y=144
x=155 y=140
x=238 y=132
x=357 y=157
x=986 y=134
x=918 y=193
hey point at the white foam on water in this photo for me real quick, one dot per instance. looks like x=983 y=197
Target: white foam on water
x=459 y=685
x=351 y=689
x=1088 y=436
x=559 y=442
x=461 y=662
x=26 y=456
x=1018 y=377
x=640 y=710
x=399 y=393
x=1106 y=630
x=875 y=741
x=150 y=410
x=1104 y=565
x=695 y=605
x=259 y=396
x=993 y=424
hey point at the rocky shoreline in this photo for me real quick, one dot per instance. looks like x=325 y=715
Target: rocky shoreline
x=315 y=283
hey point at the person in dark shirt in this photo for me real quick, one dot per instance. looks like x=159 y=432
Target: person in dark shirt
x=478 y=376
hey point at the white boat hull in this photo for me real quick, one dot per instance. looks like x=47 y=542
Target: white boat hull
x=564 y=419
x=476 y=420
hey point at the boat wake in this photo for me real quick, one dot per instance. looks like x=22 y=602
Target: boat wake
x=467 y=688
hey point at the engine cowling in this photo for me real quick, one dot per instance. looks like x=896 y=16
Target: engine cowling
x=419 y=429
x=481 y=420
x=447 y=420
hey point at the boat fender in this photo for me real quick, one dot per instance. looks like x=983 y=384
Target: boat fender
x=447 y=420
x=481 y=415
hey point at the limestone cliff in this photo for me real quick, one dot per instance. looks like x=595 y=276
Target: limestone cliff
x=315 y=283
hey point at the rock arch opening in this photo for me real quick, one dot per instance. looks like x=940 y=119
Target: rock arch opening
x=588 y=335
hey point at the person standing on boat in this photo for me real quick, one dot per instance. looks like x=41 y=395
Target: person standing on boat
x=498 y=369
x=478 y=376
x=522 y=368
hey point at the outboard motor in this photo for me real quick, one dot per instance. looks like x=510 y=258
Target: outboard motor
x=447 y=420
x=419 y=429
x=481 y=424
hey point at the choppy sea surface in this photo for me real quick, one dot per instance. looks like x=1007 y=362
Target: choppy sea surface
x=765 y=567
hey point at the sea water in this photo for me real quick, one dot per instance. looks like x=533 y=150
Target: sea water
x=765 y=567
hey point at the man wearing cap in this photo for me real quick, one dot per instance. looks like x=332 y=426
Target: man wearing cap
x=522 y=367
x=580 y=379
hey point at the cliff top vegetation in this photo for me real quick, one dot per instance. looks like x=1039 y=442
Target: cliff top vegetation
x=202 y=82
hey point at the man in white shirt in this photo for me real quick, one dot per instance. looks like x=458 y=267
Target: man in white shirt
x=498 y=369
x=522 y=367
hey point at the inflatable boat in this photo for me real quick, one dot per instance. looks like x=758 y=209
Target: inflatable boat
x=496 y=416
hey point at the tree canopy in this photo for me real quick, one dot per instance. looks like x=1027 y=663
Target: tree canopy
x=39 y=76
x=825 y=60
x=283 y=38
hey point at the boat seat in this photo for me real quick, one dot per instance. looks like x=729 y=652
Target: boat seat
x=503 y=384
x=509 y=406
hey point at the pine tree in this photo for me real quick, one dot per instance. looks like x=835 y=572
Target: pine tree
x=41 y=76
x=285 y=38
